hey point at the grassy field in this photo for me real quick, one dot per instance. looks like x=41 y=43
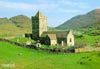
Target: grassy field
x=22 y=40
x=87 y=40
x=24 y=58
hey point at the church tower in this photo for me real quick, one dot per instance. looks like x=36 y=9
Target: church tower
x=39 y=25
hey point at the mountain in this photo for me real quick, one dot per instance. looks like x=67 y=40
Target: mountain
x=15 y=25
x=6 y=26
x=88 y=20
x=21 y=21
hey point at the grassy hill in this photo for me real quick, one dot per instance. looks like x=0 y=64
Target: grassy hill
x=21 y=21
x=86 y=21
x=15 y=25
x=7 y=27
x=24 y=58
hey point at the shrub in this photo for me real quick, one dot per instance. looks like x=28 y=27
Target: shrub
x=71 y=49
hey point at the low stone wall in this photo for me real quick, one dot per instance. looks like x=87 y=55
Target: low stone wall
x=11 y=42
x=33 y=46
x=87 y=49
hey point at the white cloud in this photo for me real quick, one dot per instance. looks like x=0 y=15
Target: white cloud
x=74 y=3
x=15 y=5
x=43 y=1
x=98 y=7
x=68 y=2
x=69 y=10
x=46 y=5
x=25 y=6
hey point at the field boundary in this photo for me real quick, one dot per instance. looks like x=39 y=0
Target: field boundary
x=33 y=46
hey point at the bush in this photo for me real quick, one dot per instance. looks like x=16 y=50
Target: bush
x=71 y=49
x=95 y=33
x=79 y=36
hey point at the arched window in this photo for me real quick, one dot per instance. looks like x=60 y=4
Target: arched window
x=70 y=40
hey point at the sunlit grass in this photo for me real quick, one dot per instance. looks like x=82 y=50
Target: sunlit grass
x=34 y=59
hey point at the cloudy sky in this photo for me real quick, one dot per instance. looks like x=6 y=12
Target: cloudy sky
x=57 y=11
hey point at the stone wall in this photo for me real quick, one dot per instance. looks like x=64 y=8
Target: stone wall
x=87 y=49
x=11 y=42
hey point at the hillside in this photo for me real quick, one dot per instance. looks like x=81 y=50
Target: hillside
x=88 y=20
x=22 y=58
x=21 y=21
x=7 y=27
x=15 y=25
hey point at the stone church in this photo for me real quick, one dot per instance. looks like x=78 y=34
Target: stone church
x=40 y=33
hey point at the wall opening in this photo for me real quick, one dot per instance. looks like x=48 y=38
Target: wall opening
x=70 y=40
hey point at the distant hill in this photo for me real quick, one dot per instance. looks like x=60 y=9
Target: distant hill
x=89 y=20
x=21 y=21
x=6 y=26
x=16 y=24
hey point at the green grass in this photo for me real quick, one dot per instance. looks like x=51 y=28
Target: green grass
x=88 y=40
x=22 y=40
x=5 y=35
x=33 y=59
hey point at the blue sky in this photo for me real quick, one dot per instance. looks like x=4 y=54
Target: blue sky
x=57 y=11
